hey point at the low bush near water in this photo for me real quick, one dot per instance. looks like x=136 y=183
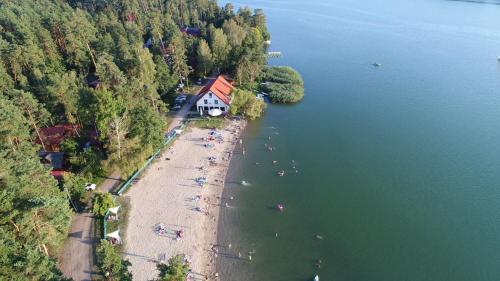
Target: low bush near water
x=283 y=84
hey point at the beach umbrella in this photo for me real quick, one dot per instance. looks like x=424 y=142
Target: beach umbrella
x=215 y=112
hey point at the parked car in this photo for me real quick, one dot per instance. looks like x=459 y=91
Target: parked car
x=177 y=107
x=90 y=186
x=180 y=98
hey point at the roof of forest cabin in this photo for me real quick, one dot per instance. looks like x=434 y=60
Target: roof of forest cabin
x=54 y=159
x=57 y=134
x=219 y=87
x=193 y=31
x=58 y=174
x=95 y=83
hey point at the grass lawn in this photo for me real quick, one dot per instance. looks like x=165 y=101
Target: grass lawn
x=209 y=123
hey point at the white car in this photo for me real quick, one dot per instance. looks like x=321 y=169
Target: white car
x=90 y=186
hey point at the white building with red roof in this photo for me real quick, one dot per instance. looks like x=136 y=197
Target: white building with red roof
x=215 y=95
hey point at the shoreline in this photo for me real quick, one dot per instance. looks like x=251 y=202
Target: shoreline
x=168 y=197
x=230 y=189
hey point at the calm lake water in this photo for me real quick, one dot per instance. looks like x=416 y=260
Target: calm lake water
x=399 y=166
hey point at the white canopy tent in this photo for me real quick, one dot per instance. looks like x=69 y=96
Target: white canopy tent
x=116 y=236
x=215 y=112
x=113 y=213
x=114 y=210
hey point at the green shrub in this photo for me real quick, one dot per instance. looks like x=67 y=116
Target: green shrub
x=245 y=103
x=75 y=185
x=101 y=203
x=175 y=270
x=69 y=146
x=88 y=163
x=110 y=263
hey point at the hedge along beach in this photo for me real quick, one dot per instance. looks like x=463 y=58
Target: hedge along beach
x=175 y=206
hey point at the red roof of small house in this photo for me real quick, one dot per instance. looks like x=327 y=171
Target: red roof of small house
x=130 y=17
x=58 y=174
x=219 y=87
x=57 y=134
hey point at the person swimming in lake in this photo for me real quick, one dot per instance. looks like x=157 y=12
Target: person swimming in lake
x=280 y=207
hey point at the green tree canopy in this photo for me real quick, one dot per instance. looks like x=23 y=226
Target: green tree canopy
x=110 y=263
x=175 y=270
x=205 y=58
x=101 y=203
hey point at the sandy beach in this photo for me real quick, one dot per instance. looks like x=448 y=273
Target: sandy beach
x=168 y=199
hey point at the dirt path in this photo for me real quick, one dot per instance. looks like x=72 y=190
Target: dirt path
x=183 y=112
x=77 y=258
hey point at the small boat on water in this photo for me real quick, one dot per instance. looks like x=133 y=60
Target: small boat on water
x=316 y=278
x=376 y=64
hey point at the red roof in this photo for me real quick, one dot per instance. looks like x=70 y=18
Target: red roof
x=219 y=87
x=57 y=134
x=58 y=174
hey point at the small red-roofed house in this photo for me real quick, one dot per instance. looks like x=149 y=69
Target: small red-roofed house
x=215 y=95
x=53 y=136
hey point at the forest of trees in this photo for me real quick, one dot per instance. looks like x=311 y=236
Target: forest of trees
x=105 y=66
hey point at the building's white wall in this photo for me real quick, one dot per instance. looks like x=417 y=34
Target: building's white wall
x=212 y=102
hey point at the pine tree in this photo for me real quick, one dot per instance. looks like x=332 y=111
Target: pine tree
x=204 y=57
x=179 y=59
x=219 y=46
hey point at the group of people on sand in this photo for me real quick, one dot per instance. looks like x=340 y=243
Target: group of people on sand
x=162 y=230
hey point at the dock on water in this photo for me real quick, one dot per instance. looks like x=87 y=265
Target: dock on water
x=273 y=54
